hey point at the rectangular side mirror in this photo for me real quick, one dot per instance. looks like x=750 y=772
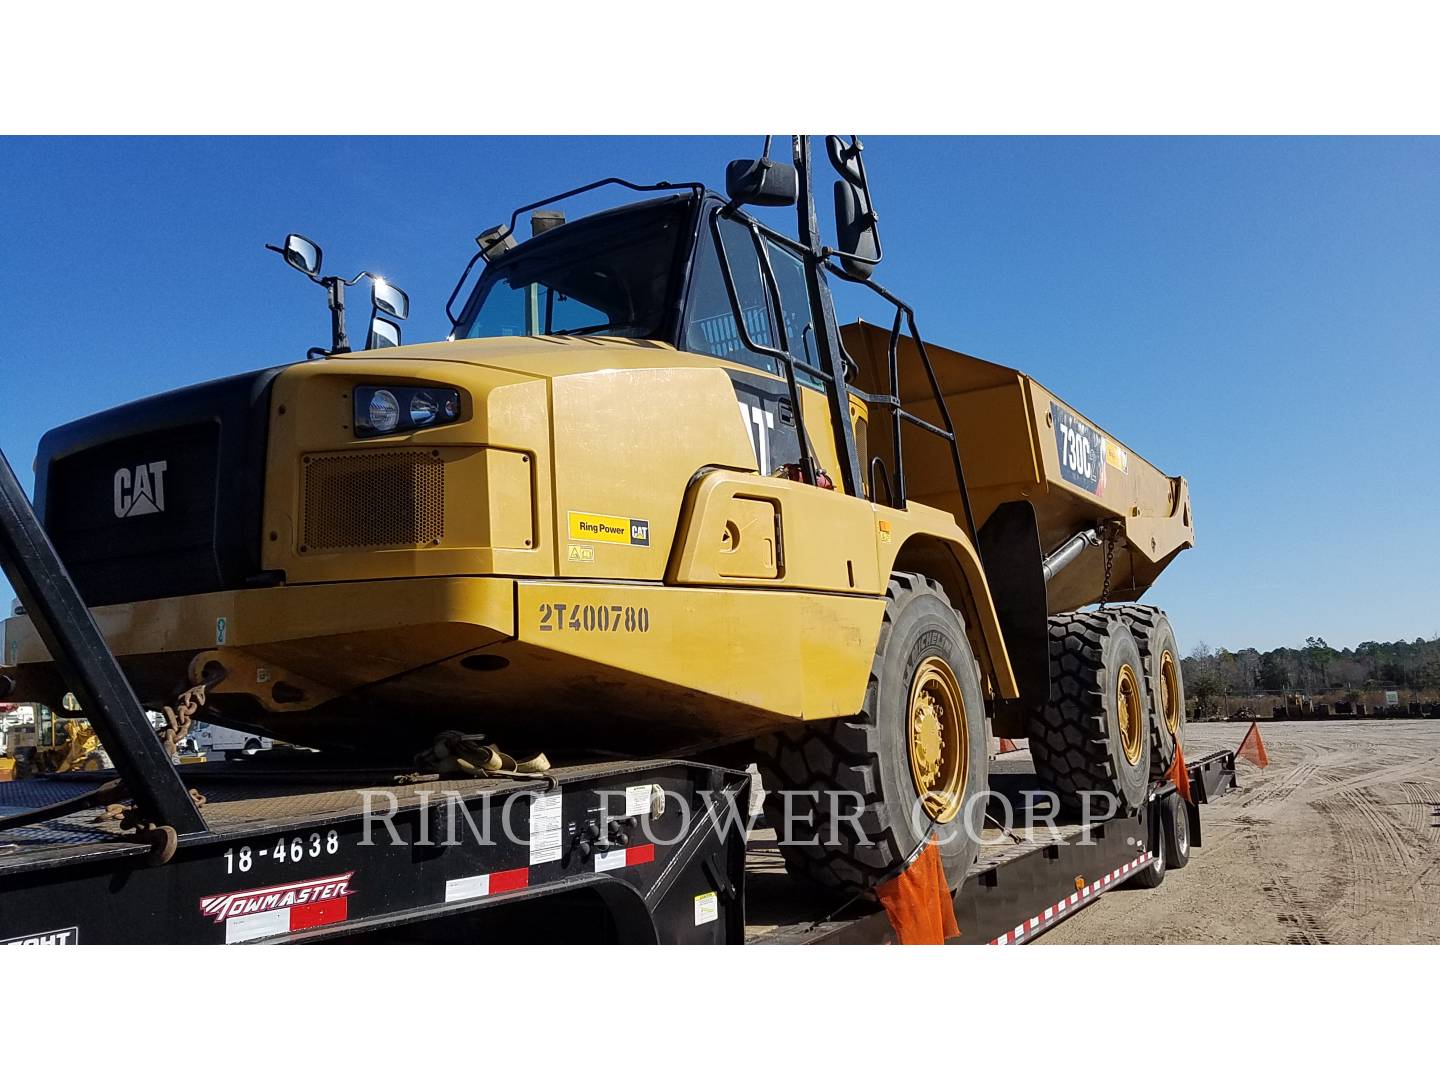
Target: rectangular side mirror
x=384 y=334
x=391 y=300
x=855 y=231
x=304 y=255
x=762 y=183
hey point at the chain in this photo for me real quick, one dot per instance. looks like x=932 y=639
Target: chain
x=180 y=717
x=1109 y=564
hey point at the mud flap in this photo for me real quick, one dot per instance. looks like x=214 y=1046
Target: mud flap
x=1009 y=544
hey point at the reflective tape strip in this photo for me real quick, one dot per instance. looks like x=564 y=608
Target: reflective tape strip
x=622 y=857
x=469 y=888
x=264 y=924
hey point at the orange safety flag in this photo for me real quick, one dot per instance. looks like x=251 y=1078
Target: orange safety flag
x=1180 y=775
x=918 y=901
x=1252 y=748
x=1007 y=745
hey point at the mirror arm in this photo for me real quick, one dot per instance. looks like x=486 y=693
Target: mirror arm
x=340 y=343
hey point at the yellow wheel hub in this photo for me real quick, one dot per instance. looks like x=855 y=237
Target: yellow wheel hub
x=1132 y=714
x=939 y=739
x=1170 y=692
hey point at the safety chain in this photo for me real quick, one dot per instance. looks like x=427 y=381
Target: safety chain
x=1109 y=563
x=180 y=717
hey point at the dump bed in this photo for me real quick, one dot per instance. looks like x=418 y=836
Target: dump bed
x=1018 y=441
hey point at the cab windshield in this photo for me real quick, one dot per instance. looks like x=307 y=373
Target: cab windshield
x=609 y=275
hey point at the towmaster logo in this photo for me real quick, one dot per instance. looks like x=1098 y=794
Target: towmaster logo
x=609 y=530
x=140 y=490
x=276 y=898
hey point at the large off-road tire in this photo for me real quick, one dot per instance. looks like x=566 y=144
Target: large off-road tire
x=1165 y=681
x=1093 y=734
x=922 y=727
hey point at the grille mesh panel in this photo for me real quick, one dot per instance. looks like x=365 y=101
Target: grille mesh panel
x=373 y=499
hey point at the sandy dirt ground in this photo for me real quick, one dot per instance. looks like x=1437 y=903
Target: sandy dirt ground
x=1337 y=842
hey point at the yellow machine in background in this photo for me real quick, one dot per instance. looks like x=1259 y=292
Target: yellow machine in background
x=649 y=498
x=51 y=744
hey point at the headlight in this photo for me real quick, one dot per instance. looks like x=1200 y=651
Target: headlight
x=384 y=411
x=423 y=409
x=389 y=410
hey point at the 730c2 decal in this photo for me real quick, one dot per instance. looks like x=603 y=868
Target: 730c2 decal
x=595 y=618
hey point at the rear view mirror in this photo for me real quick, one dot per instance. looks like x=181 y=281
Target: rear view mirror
x=762 y=183
x=855 y=231
x=390 y=300
x=384 y=334
x=304 y=255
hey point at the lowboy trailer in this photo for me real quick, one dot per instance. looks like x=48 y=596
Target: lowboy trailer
x=633 y=851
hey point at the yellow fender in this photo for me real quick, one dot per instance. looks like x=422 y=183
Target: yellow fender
x=923 y=540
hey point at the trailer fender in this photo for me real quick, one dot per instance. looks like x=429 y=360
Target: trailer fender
x=924 y=541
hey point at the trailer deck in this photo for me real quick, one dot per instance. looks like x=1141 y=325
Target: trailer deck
x=289 y=856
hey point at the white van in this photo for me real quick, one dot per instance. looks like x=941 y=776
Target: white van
x=216 y=741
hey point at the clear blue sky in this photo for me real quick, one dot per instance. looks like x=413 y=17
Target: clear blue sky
x=1259 y=314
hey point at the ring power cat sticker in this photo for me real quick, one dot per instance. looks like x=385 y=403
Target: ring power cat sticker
x=606 y=529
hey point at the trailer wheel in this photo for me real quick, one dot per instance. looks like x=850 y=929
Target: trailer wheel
x=912 y=764
x=1165 y=680
x=1093 y=733
x=1153 y=873
x=1177 y=832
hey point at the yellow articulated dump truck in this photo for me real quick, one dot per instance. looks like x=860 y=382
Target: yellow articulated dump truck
x=653 y=495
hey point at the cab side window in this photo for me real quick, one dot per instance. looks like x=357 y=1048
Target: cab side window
x=789 y=273
x=709 y=316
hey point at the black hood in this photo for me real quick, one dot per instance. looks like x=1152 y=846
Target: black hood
x=161 y=497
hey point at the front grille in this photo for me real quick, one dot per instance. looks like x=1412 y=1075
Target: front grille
x=373 y=499
x=160 y=497
x=120 y=544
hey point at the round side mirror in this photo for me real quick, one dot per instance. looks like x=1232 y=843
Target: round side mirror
x=304 y=255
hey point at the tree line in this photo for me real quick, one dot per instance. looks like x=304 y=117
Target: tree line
x=1314 y=668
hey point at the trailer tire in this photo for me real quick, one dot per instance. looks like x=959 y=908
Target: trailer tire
x=1165 y=681
x=1152 y=873
x=1092 y=735
x=924 y=679
x=1177 y=832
